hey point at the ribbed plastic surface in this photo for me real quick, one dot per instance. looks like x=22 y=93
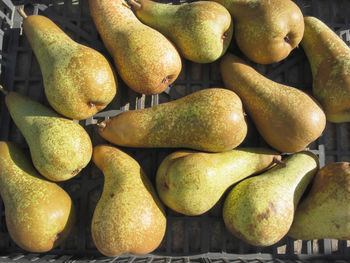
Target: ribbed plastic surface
x=196 y=239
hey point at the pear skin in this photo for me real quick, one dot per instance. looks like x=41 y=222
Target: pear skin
x=60 y=148
x=78 y=80
x=260 y=209
x=192 y=182
x=287 y=118
x=201 y=30
x=39 y=214
x=329 y=59
x=207 y=120
x=145 y=59
x=266 y=31
x=325 y=213
x=129 y=217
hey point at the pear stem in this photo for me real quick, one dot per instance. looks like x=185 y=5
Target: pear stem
x=3 y=90
x=135 y=4
x=22 y=13
x=101 y=125
x=275 y=160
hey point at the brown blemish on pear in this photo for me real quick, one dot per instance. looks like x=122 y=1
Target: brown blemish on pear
x=39 y=214
x=287 y=118
x=73 y=74
x=144 y=58
x=208 y=120
x=260 y=209
x=128 y=218
x=329 y=58
x=201 y=30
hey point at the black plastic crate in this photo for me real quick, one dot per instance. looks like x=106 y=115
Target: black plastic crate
x=201 y=239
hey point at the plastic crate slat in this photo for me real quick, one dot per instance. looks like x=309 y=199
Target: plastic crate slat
x=327 y=246
x=8 y=3
x=186 y=244
x=4 y=16
x=204 y=235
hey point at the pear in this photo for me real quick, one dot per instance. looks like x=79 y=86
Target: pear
x=207 y=120
x=200 y=30
x=266 y=31
x=78 y=80
x=129 y=217
x=287 y=118
x=145 y=59
x=329 y=58
x=325 y=211
x=192 y=182
x=60 y=148
x=260 y=209
x=39 y=214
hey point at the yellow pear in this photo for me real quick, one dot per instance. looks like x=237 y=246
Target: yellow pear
x=39 y=214
x=207 y=120
x=329 y=58
x=266 y=31
x=129 y=217
x=145 y=59
x=287 y=118
x=78 y=80
x=260 y=209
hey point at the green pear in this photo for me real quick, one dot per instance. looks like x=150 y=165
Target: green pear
x=192 y=182
x=325 y=213
x=200 y=30
x=39 y=214
x=129 y=217
x=60 y=148
x=260 y=209
x=266 y=31
x=287 y=118
x=207 y=120
x=78 y=80
x=145 y=59
x=329 y=58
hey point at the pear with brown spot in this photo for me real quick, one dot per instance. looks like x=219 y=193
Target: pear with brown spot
x=192 y=182
x=39 y=214
x=287 y=118
x=129 y=217
x=325 y=211
x=145 y=59
x=78 y=80
x=208 y=120
x=60 y=148
x=266 y=31
x=201 y=30
x=260 y=209
x=329 y=58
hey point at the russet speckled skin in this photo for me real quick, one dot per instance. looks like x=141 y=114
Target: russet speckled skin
x=200 y=30
x=329 y=58
x=208 y=120
x=192 y=182
x=146 y=60
x=39 y=214
x=287 y=118
x=129 y=218
x=78 y=80
x=325 y=211
x=59 y=147
x=266 y=31
x=260 y=209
